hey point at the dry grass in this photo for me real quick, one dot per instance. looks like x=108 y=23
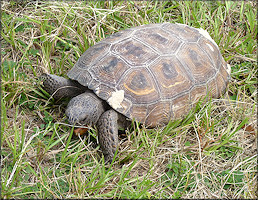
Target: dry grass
x=210 y=154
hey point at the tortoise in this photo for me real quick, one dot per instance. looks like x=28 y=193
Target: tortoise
x=152 y=73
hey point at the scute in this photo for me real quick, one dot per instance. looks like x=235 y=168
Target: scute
x=181 y=106
x=134 y=52
x=158 y=113
x=139 y=86
x=184 y=32
x=159 y=40
x=171 y=77
x=211 y=50
x=153 y=73
x=197 y=62
x=118 y=36
x=109 y=70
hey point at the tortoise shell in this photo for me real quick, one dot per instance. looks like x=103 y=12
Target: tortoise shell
x=153 y=73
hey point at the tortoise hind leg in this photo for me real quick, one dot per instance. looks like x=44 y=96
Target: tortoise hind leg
x=108 y=134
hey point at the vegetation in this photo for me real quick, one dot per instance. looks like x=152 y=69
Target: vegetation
x=212 y=153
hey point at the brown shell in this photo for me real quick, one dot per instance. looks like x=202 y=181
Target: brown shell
x=161 y=69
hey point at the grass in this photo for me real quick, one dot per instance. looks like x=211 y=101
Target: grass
x=212 y=153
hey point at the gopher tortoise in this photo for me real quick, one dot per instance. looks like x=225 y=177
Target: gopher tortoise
x=151 y=73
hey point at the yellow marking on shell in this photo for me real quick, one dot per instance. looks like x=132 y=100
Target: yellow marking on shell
x=172 y=85
x=142 y=92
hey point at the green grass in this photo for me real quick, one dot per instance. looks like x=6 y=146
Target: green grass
x=212 y=153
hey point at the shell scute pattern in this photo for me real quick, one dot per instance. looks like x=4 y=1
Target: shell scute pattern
x=196 y=62
x=109 y=69
x=183 y=31
x=134 y=52
x=159 y=40
x=161 y=68
x=172 y=78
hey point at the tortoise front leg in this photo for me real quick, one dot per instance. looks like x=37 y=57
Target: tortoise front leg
x=61 y=87
x=108 y=134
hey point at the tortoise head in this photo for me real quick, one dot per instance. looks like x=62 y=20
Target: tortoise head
x=85 y=109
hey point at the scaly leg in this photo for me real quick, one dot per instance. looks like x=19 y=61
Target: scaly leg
x=108 y=134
